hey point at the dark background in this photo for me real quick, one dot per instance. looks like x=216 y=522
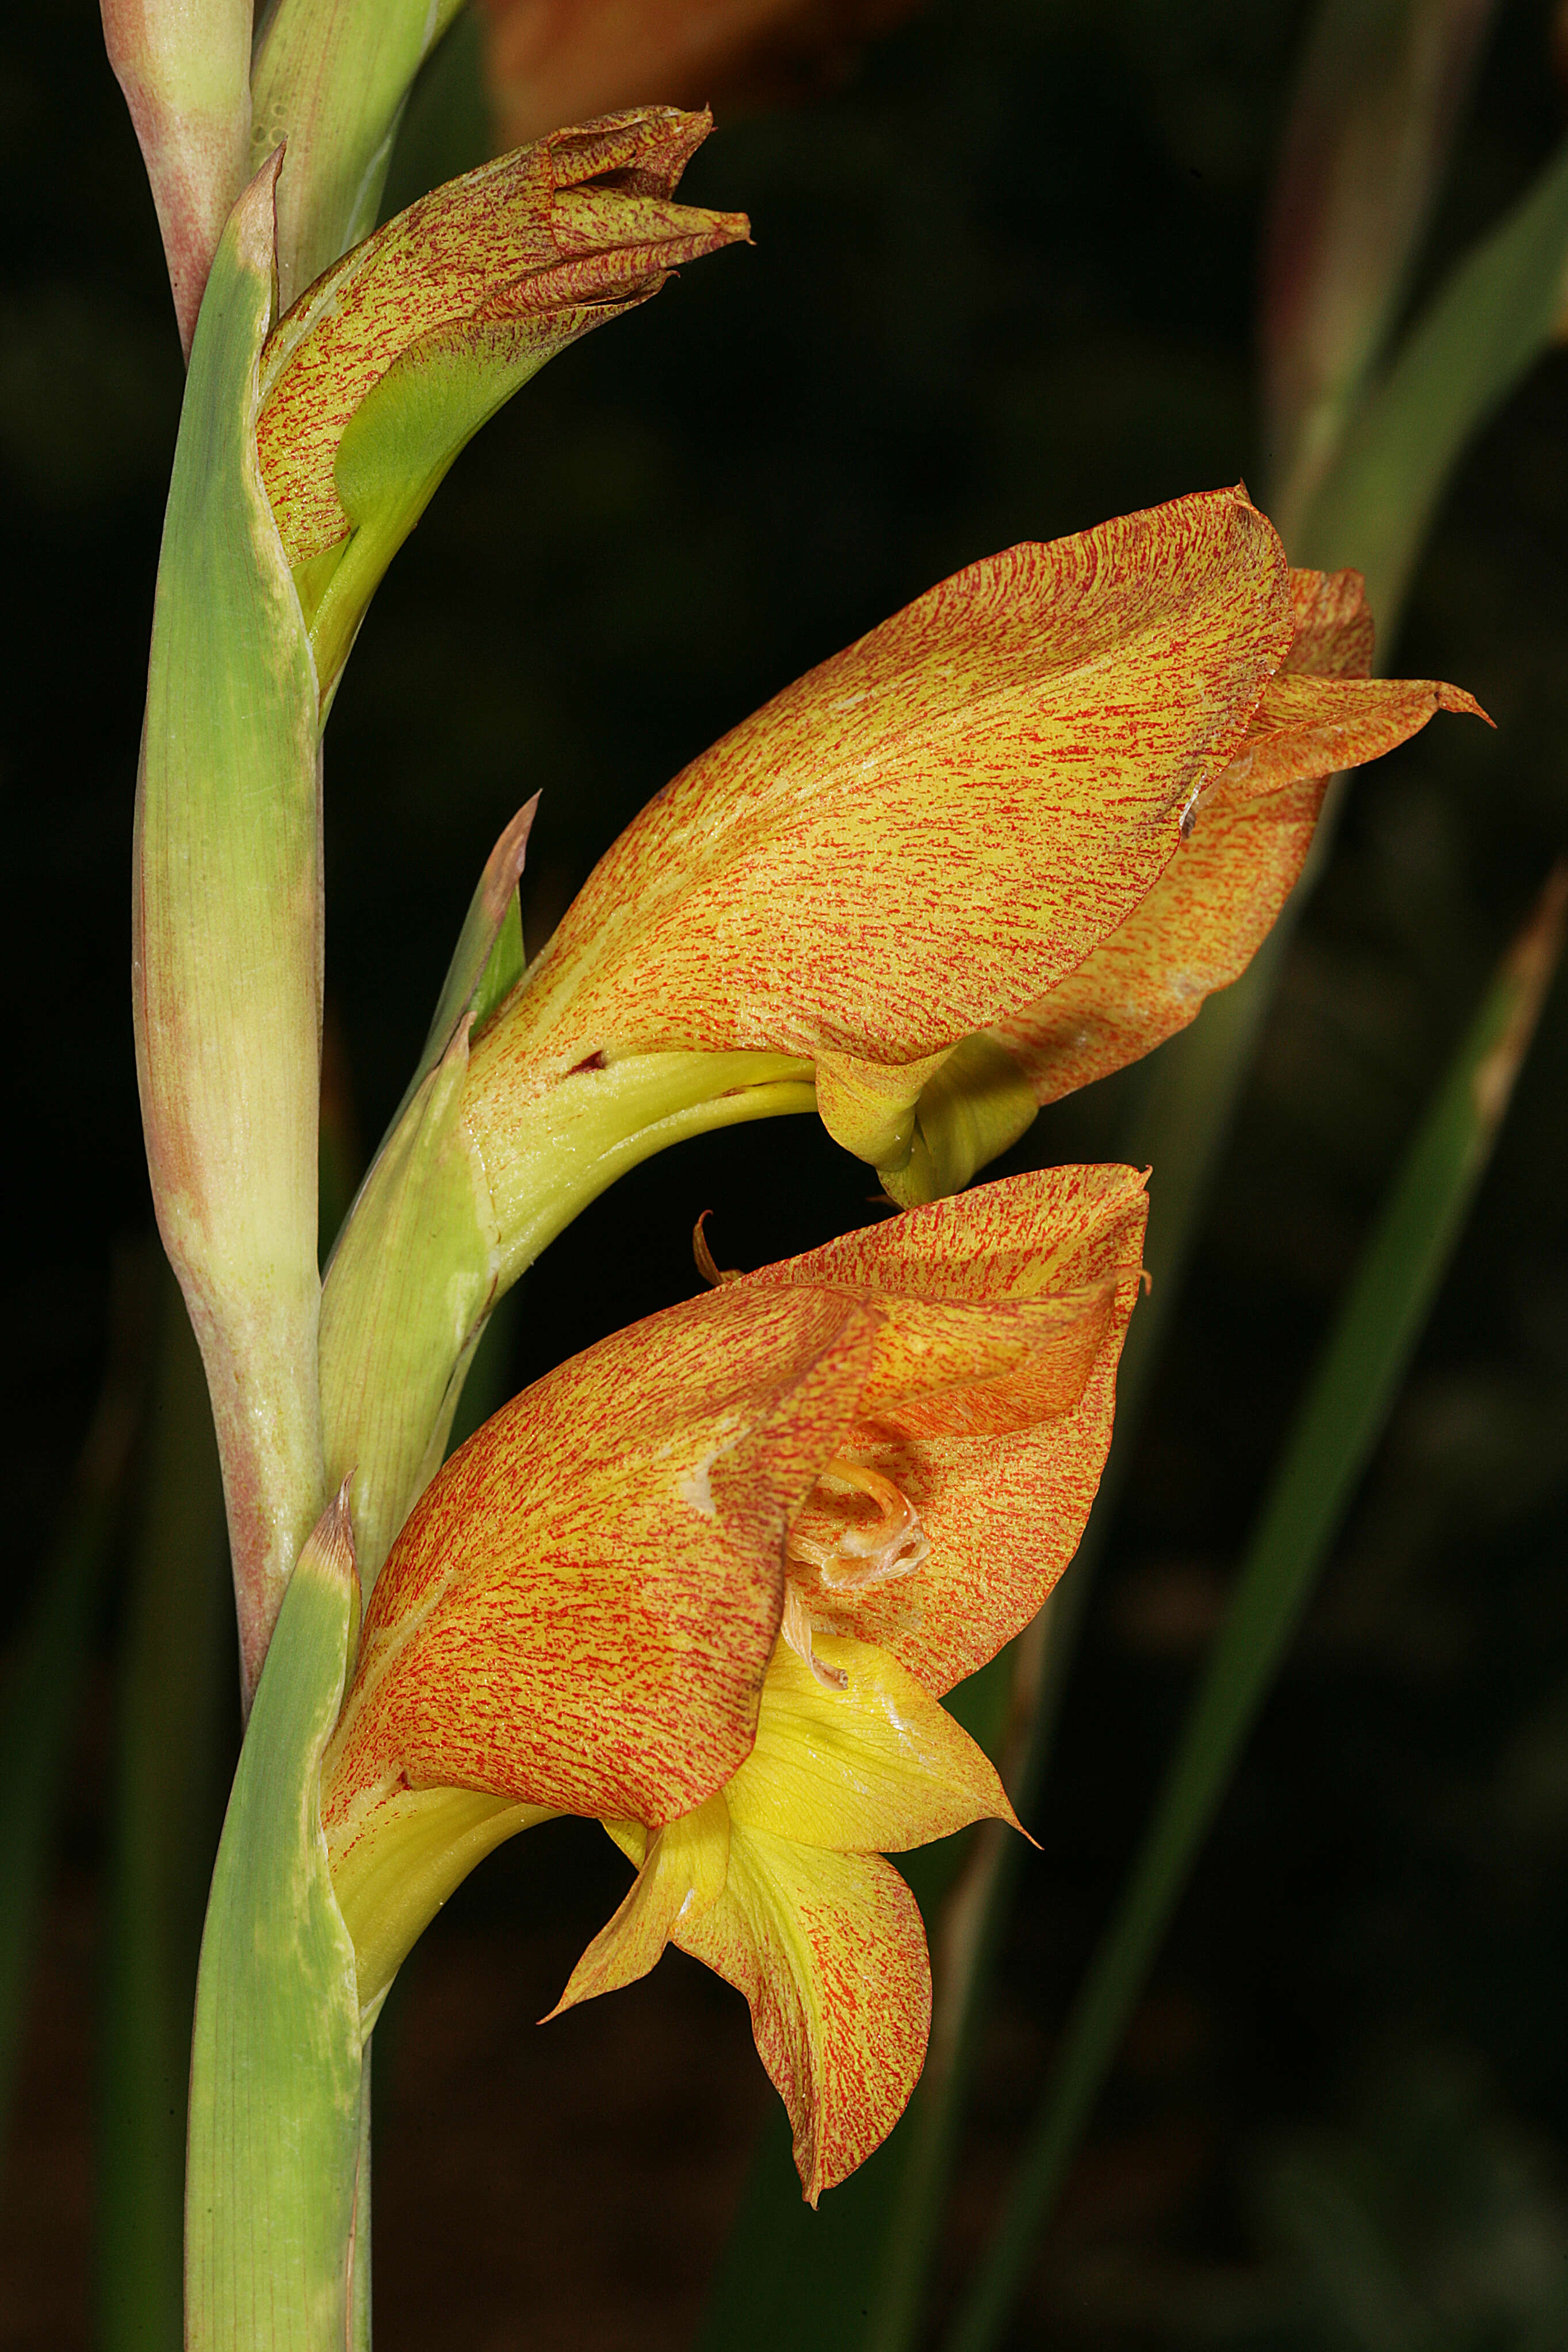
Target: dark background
x=1003 y=286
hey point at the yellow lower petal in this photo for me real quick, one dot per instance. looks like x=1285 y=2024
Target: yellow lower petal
x=874 y=1767
x=830 y=1952
x=682 y=1877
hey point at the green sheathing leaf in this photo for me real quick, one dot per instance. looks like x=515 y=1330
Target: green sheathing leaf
x=276 y=2088
x=446 y=128
x=228 y=937
x=412 y=1281
x=176 y=1699
x=332 y=77
x=488 y=960
x=409 y=1291
x=1342 y=1418
x=1491 y=319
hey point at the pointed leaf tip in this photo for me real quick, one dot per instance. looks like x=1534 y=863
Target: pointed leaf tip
x=503 y=867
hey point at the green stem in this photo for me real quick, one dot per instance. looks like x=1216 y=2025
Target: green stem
x=176 y=1677
x=276 y=2108
x=1345 y=1410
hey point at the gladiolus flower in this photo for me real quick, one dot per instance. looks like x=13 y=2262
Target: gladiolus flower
x=392 y=361
x=707 y=1582
x=943 y=830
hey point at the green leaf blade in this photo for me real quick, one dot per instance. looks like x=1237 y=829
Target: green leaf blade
x=1343 y=1417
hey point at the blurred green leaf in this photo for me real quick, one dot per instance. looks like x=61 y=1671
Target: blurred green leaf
x=44 y=1687
x=1492 y=319
x=1372 y=123
x=1341 y=1421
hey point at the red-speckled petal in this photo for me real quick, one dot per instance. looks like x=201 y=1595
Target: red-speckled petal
x=874 y=1767
x=1003 y=1513
x=581 y=1608
x=930 y=829
x=1215 y=904
x=830 y=1953
x=1197 y=930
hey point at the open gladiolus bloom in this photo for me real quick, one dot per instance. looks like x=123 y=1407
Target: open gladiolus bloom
x=707 y=1583
x=1003 y=844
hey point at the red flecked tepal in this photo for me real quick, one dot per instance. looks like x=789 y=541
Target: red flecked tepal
x=580 y=1608
x=1204 y=919
x=930 y=828
x=521 y=257
x=829 y=1951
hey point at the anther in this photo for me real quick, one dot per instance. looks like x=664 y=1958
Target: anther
x=894 y=1544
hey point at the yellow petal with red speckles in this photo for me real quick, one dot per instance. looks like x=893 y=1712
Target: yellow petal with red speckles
x=1208 y=914
x=830 y=1953
x=1312 y=727
x=928 y=830
x=681 y=1876
x=581 y=1608
x=876 y=1767
x=1002 y=1513
x=1197 y=930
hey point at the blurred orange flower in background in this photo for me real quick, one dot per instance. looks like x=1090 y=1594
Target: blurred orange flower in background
x=549 y=61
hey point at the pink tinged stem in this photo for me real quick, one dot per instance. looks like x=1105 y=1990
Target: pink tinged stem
x=227 y=938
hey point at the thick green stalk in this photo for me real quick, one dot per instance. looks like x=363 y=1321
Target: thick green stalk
x=1343 y=1417
x=277 y=2095
x=175 y=1687
x=228 y=937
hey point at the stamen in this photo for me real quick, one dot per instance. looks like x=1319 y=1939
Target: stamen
x=796 y=1630
x=894 y=1544
x=712 y=1274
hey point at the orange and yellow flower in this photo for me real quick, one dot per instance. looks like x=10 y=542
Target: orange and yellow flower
x=1002 y=844
x=707 y=1583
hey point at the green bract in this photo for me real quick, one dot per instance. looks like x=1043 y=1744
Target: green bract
x=277 y=2077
